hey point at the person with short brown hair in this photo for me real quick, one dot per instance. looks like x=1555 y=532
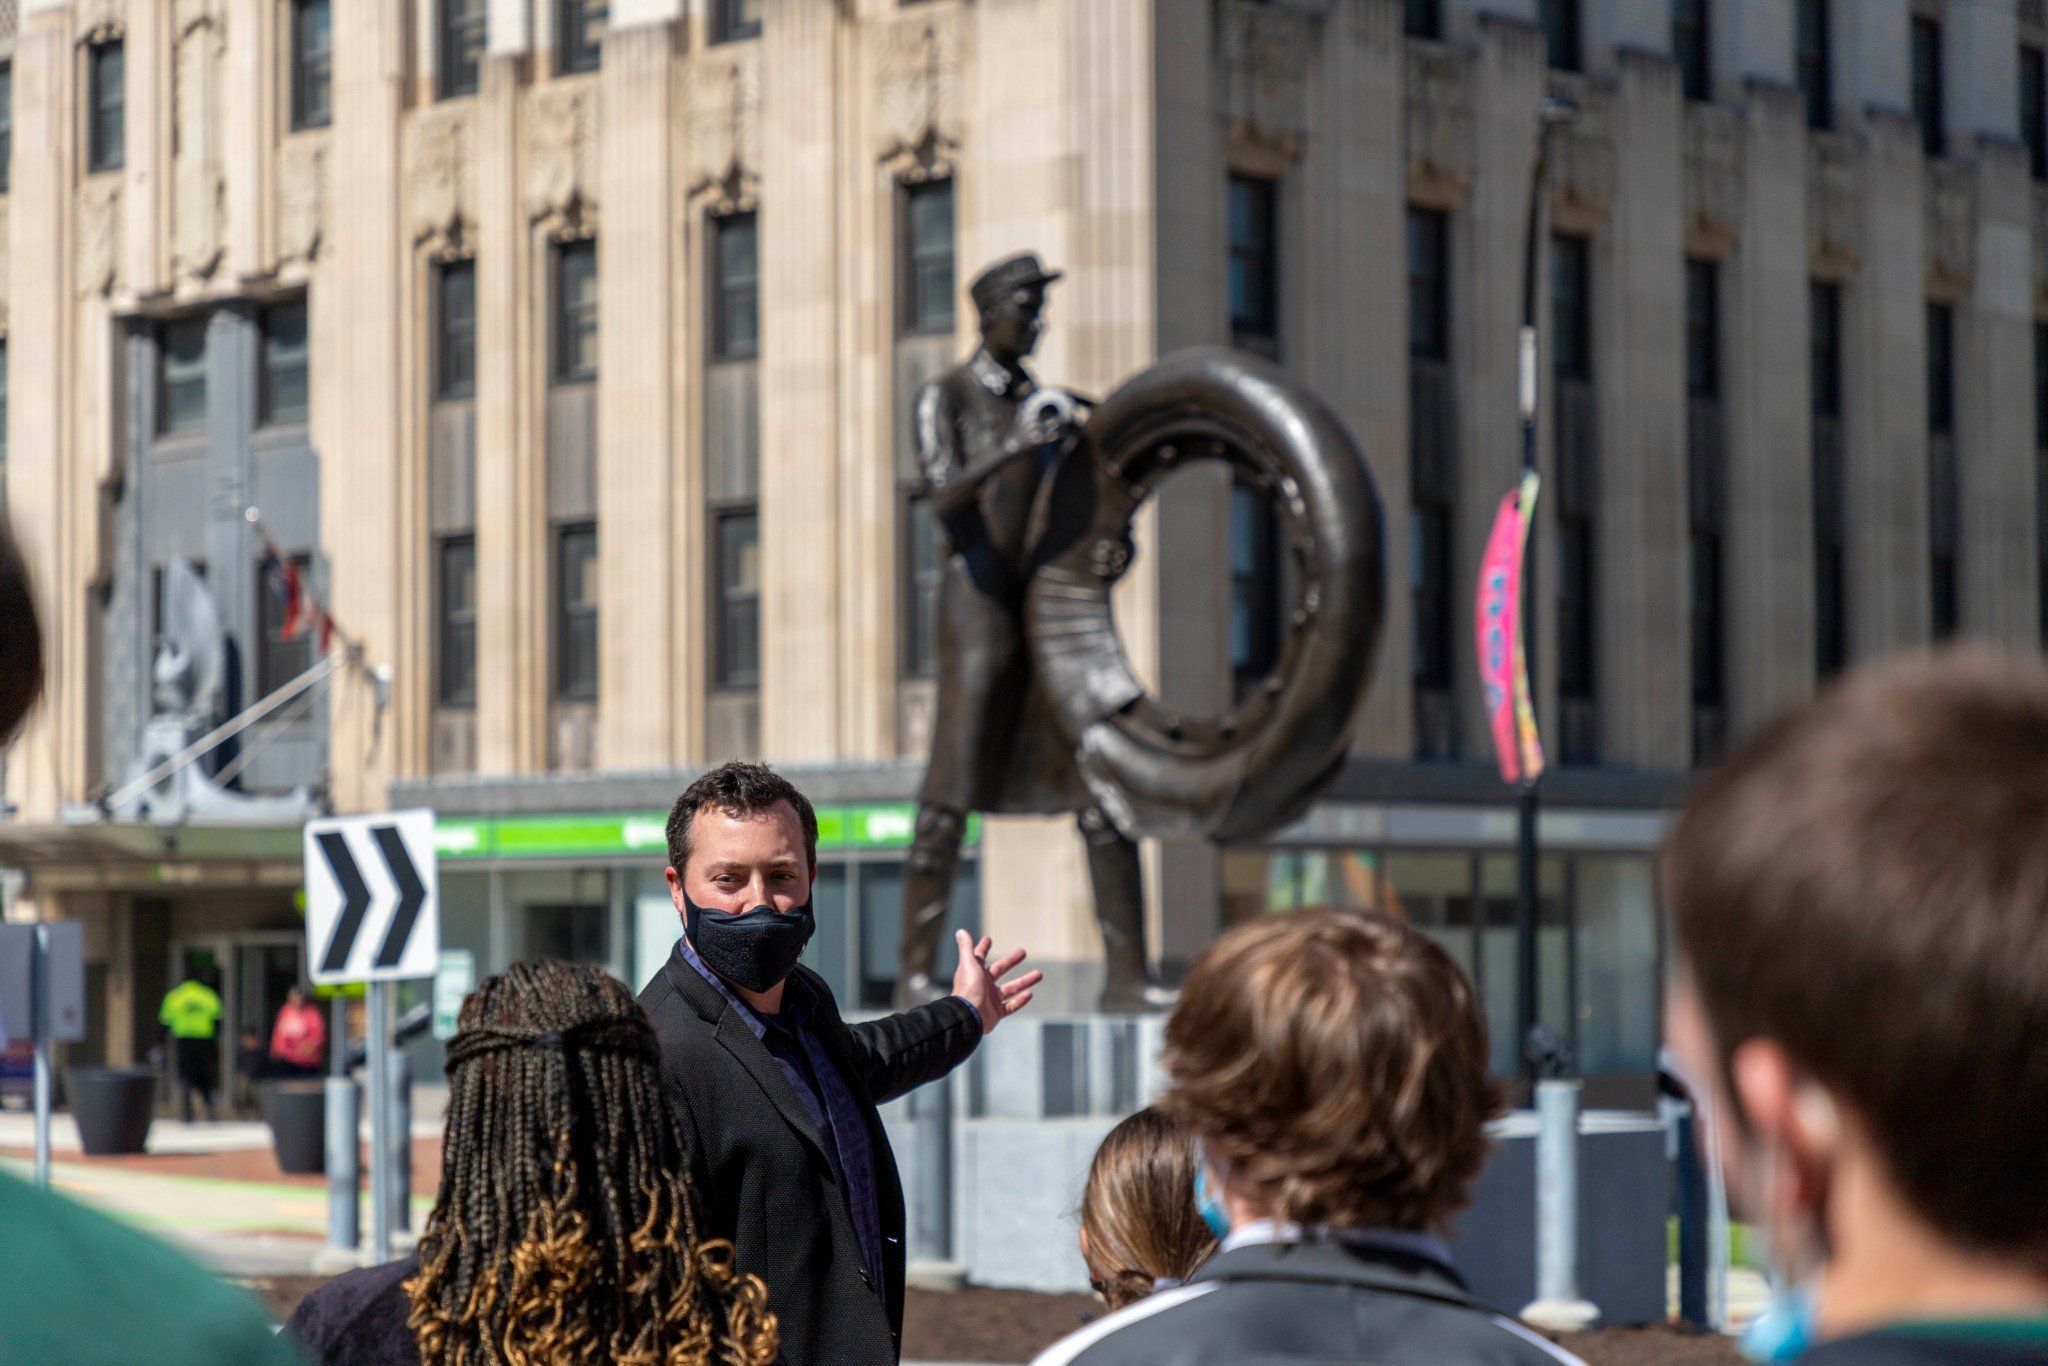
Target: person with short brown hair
x=1333 y=1068
x=1861 y=903
x=1140 y=1231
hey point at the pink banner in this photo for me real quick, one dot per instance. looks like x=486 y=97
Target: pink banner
x=1503 y=671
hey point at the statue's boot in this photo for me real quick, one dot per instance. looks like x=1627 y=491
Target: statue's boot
x=927 y=893
x=1118 y=883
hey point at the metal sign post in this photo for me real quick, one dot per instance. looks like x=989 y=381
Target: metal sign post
x=39 y=1007
x=380 y=1122
x=42 y=998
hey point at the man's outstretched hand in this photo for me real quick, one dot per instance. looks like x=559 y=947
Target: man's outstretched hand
x=981 y=983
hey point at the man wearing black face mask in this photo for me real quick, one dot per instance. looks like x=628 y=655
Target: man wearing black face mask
x=776 y=1093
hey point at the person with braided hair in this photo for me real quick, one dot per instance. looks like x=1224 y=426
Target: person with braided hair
x=566 y=1230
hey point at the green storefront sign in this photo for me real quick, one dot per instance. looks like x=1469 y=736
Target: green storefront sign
x=882 y=825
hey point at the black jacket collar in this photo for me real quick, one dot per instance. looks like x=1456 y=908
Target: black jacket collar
x=1334 y=1258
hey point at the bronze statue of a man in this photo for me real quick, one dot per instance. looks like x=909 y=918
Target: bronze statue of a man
x=988 y=441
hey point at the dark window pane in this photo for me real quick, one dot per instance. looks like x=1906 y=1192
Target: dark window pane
x=1816 y=63
x=576 y=311
x=1255 y=591
x=107 y=106
x=928 y=264
x=1927 y=87
x=1423 y=18
x=733 y=19
x=1429 y=285
x=1702 y=329
x=455 y=329
x=579 y=35
x=576 y=613
x=568 y=934
x=1560 y=19
x=2034 y=109
x=284 y=394
x=1571 y=308
x=1943 y=606
x=738 y=598
x=3 y=410
x=181 y=375
x=1831 y=616
x=2041 y=386
x=280 y=657
x=1941 y=369
x=1689 y=48
x=312 y=64
x=1430 y=577
x=455 y=593
x=462 y=47
x=1706 y=619
x=1827 y=349
x=1254 y=261
x=736 y=288
x=6 y=126
x=1575 y=584
x=923 y=569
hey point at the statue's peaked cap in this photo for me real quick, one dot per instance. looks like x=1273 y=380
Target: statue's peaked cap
x=1008 y=275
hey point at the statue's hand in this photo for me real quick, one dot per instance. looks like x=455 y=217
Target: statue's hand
x=1047 y=417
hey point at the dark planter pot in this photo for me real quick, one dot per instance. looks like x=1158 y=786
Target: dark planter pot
x=112 y=1106
x=296 y=1112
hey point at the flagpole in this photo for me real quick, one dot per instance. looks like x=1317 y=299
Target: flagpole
x=352 y=648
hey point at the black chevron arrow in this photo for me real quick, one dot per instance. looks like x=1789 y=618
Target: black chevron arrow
x=412 y=894
x=355 y=900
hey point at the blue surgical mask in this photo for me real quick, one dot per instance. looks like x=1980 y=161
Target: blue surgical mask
x=1785 y=1329
x=1208 y=1204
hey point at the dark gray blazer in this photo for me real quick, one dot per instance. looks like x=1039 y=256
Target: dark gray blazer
x=1319 y=1302
x=760 y=1168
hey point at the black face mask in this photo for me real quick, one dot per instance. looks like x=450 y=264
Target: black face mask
x=754 y=949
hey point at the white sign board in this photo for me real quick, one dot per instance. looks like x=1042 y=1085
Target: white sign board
x=373 y=908
x=453 y=981
x=66 y=978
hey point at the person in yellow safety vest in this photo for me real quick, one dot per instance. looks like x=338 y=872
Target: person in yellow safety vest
x=191 y=1011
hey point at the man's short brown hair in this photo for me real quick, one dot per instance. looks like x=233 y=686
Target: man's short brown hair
x=1336 y=1062
x=738 y=789
x=1865 y=883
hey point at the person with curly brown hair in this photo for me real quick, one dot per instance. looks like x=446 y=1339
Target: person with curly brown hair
x=1332 y=1067
x=566 y=1229
x=1140 y=1231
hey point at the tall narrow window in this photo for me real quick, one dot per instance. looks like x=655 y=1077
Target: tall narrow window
x=455 y=329
x=924 y=569
x=312 y=64
x=6 y=126
x=579 y=35
x=284 y=395
x=1815 y=57
x=736 y=287
x=1928 y=104
x=2034 y=109
x=1423 y=18
x=1432 y=489
x=1943 y=485
x=2040 y=472
x=1690 y=47
x=576 y=613
x=1830 y=566
x=928 y=257
x=455 y=624
x=576 y=312
x=1255 y=627
x=106 y=84
x=1704 y=503
x=1577 y=544
x=281 y=657
x=181 y=376
x=737 y=585
x=735 y=19
x=1254 y=263
x=461 y=47
x=1560 y=19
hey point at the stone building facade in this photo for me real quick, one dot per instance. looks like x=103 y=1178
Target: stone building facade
x=571 y=346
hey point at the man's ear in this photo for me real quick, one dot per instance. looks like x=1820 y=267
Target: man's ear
x=675 y=887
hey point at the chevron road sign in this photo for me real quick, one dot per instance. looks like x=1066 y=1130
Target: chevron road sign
x=372 y=905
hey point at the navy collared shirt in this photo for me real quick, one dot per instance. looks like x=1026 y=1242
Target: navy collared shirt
x=834 y=1112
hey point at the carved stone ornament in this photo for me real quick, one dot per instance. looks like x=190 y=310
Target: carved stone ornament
x=99 y=235
x=724 y=110
x=1584 y=173
x=918 y=69
x=1951 y=201
x=1713 y=176
x=440 y=176
x=301 y=199
x=1440 y=123
x=1265 y=53
x=99 y=20
x=1833 y=191
x=561 y=159
x=199 y=190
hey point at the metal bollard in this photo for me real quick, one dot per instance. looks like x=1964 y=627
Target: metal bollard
x=344 y=1219
x=1558 y=1306
x=398 y=1166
